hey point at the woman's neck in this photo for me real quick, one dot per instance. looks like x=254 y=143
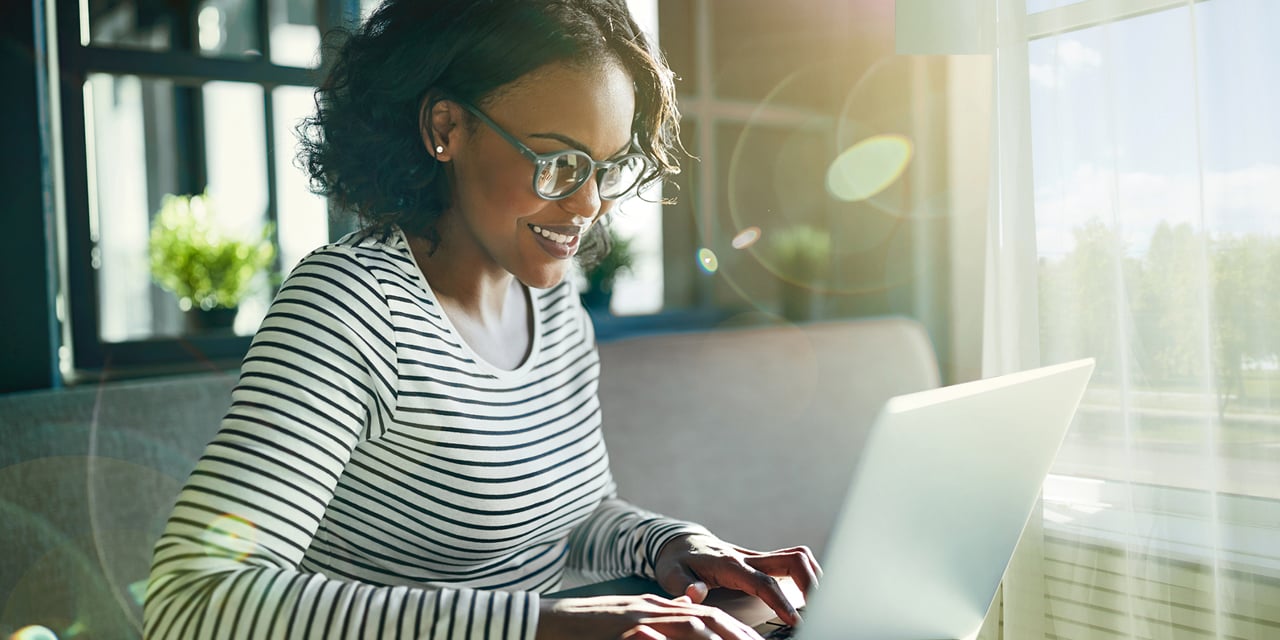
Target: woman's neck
x=478 y=291
x=488 y=308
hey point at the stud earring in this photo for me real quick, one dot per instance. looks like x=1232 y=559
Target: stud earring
x=439 y=148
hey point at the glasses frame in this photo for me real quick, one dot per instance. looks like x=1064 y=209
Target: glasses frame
x=542 y=160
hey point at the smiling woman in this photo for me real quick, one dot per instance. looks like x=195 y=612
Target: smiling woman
x=414 y=446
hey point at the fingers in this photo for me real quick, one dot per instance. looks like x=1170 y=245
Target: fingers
x=794 y=564
x=681 y=581
x=683 y=619
x=811 y=559
x=750 y=580
x=643 y=632
x=699 y=628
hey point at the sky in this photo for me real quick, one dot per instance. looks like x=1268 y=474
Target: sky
x=1169 y=116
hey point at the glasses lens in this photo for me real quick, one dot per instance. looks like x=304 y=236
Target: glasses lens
x=563 y=173
x=618 y=180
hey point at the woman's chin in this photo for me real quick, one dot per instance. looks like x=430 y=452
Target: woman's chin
x=545 y=277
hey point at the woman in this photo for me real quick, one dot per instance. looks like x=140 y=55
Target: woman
x=414 y=446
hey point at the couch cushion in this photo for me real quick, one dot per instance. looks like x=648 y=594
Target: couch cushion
x=754 y=432
x=88 y=477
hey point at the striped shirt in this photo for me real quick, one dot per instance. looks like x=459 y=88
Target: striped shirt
x=375 y=478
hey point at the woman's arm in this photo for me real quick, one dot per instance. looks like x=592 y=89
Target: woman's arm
x=319 y=377
x=620 y=539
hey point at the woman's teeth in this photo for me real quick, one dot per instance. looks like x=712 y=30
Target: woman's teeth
x=552 y=236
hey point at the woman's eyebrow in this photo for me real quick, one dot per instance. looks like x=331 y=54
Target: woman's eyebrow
x=560 y=137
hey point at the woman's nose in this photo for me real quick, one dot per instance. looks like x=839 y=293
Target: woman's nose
x=586 y=201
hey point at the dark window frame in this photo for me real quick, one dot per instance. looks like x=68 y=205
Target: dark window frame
x=183 y=66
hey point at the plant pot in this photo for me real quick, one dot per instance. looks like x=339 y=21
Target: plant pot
x=215 y=320
x=800 y=303
x=596 y=299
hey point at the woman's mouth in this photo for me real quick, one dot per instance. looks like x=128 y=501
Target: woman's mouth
x=559 y=245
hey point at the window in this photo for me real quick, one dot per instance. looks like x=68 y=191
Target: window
x=775 y=98
x=178 y=98
x=1155 y=172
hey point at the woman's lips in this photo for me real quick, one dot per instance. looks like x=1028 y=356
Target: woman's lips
x=557 y=243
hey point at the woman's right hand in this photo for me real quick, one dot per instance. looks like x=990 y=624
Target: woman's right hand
x=646 y=617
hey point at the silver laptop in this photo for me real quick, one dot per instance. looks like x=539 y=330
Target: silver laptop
x=946 y=482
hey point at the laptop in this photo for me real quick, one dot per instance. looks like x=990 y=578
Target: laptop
x=946 y=481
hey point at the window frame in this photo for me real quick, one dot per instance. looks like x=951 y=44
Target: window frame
x=84 y=354
x=1091 y=13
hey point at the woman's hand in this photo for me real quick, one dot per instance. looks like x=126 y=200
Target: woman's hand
x=693 y=564
x=637 y=618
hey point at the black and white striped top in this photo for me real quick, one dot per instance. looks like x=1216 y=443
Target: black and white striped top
x=374 y=478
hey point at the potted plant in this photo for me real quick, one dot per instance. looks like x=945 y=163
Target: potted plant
x=803 y=260
x=209 y=270
x=602 y=275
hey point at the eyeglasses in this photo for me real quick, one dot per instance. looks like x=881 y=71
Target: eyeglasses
x=560 y=174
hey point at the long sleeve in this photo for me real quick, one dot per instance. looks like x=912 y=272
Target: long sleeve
x=320 y=377
x=620 y=539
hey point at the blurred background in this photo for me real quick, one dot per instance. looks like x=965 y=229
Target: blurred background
x=1033 y=180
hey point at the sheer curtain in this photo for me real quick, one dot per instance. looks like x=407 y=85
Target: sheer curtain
x=1135 y=217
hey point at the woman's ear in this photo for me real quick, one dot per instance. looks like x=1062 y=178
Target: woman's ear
x=438 y=122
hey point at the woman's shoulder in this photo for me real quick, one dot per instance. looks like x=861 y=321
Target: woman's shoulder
x=365 y=255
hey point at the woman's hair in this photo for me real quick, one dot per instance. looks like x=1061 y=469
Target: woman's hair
x=363 y=147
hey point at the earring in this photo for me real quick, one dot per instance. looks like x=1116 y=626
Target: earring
x=439 y=148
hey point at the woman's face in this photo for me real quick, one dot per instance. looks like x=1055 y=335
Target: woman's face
x=495 y=219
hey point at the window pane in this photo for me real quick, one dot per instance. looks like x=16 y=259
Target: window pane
x=228 y=28
x=303 y=216
x=677 y=42
x=1037 y=6
x=1158 y=237
x=235 y=143
x=758 y=46
x=130 y=126
x=640 y=290
x=295 y=38
x=129 y=24
x=221 y=28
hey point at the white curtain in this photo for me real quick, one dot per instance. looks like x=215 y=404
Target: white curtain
x=1135 y=218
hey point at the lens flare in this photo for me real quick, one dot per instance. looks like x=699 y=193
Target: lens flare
x=868 y=167
x=33 y=632
x=230 y=536
x=707 y=260
x=746 y=238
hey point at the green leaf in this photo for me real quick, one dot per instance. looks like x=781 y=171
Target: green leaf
x=198 y=261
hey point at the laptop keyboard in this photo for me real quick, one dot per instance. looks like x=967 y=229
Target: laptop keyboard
x=779 y=633
x=776 y=629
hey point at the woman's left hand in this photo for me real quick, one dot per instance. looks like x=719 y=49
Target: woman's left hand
x=691 y=565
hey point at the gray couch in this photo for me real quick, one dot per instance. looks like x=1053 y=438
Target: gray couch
x=753 y=432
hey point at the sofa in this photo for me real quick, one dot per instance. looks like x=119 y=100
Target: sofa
x=751 y=431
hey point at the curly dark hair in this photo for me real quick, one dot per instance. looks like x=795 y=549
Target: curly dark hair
x=363 y=148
